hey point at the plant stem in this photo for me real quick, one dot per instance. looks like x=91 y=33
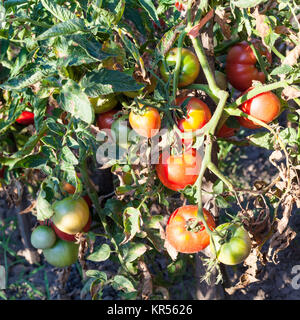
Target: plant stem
x=205 y=66
x=178 y=63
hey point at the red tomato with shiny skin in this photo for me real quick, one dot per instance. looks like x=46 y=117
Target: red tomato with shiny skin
x=105 y=120
x=146 y=124
x=240 y=65
x=26 y=118
x=184 y=240
x=198 y=114
x=264 y=106
x=177 y=171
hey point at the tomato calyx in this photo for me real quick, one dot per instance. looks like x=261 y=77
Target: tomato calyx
x=194 y=225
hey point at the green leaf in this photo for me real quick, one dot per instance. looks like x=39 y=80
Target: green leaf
x=57 y=11
x=218 y=187
x=28 y=78
x=222 y=203
x=100 y=275
x=31 y=161
x=263 y=140
x=131 y=223
x=105 y=81
x=73 y=100
x=100 y=254
x=283 y=69
x=64 y=28
x=119 y=10
x=91 y=46
x=68 y=156
x=122 y=283
x=135 y=250
x=13 y=3
x=44 y=208
x=150 y=9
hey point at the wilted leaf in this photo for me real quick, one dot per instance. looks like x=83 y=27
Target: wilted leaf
x=292 y=57
x=290 y=93
x=147 y=286
x=222 y=18
x=122 y=283
x=262 y=27
x=100 y=254
x=131 y=222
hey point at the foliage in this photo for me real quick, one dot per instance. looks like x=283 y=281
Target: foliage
x=57 y=55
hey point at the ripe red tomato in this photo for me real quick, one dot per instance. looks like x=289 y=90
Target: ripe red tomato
x=146 y=124
x=240 y=65
x=189 y=70
x=226 y=131
x=62 y=254
x=177 y=171
x=70 y=215
x=179 y=235
x=233 y=244
x=2 y=172
x=264 y=106
x=179 y=6
x=198 y=114
x=105 y=120
x=26 y=118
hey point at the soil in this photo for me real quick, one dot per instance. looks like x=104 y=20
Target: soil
x=42 y=281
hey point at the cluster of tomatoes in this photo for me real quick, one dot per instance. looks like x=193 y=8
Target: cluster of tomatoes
x=175 y=172
x=56 y=237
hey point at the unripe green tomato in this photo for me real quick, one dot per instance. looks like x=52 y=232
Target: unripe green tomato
x=221 y=80
x=62 y=254
x=43 y=237
x=103 y=103
x=121 y=130
x=236 y=245
x=189 y=69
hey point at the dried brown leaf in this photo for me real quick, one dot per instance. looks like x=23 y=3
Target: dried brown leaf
x=290 y=93
x=147 y=286
x=292 y=57
x=171 y=250
x=194 y=32
x=262 y=27
x=222 y=18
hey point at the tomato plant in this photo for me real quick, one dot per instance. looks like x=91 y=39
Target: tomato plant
x=178 y=171
x=189 y=70
x=79 y=69
x=232 y=243
x=180 y=233
x=241 y=65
